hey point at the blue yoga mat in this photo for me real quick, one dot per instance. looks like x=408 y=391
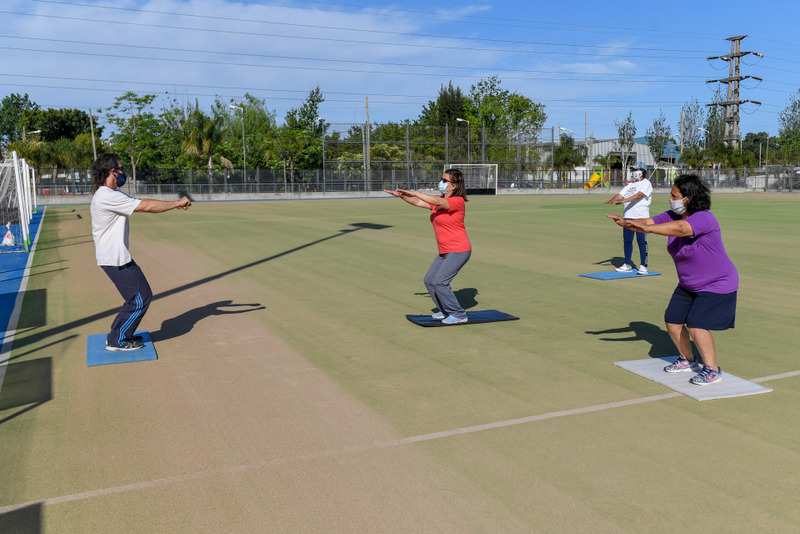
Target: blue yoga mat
x=475 y=317
x=96 y=353
x=614 y=275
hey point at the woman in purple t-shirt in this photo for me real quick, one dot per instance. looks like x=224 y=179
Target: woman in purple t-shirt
x=705 y=298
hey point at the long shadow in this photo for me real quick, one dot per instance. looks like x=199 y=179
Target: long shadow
x=27 y=520
x=60 y=329
x=616 y=261
x=183 y=323
x=660 y=342
x=27 y=385
x=35 y=274
x=19 y=355
x=38 y=248
x=33 y=267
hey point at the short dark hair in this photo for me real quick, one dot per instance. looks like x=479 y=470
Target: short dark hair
x=457 y=179
x=102 y=167
x=693 y=188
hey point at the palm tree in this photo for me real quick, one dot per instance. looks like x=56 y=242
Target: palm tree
x=201 y=135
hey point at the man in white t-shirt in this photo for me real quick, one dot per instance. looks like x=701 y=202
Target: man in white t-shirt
x=636 y=197
x=110 y=211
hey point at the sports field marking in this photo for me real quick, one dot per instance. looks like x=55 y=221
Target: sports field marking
x=11 y=328
x=168 y=481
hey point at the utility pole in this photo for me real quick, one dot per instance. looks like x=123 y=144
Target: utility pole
x=91 y=126
x=733 y=101
x=586 y=136
x=366 y=145
x=681 y=132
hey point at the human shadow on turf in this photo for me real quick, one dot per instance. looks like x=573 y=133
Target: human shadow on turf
x=616 y=261
x=465 y=296
x=25 y=520
x=27 y=385
x=66 y=327
x=660 y=342
x=183 y=323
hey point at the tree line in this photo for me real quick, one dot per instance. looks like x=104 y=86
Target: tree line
x=485 y=123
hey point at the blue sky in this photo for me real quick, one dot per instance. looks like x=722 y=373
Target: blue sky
x=601 y=58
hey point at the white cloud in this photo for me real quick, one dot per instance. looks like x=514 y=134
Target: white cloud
x=109 y=27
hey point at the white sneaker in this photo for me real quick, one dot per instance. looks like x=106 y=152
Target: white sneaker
x=454 y=320
x=438 y=316
x=641 y=270
x=625 y=268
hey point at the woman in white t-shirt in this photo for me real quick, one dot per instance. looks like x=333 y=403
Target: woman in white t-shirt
x=636 y=197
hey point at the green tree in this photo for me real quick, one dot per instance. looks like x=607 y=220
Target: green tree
x=626 y=138
x=691 y=132
x=715 y=123
x=449 y=105
x=306 y=117
x=657 y=136
x=57 y=123
x=137 y=129
x=201 y=135
x=567 y=155
x=12 y=110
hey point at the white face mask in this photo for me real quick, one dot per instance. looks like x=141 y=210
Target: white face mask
x=677 y=206
x=442 y=187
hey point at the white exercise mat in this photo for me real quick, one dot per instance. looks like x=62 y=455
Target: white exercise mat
x=729 y=386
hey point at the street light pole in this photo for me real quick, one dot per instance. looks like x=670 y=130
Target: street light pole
x=244 y=144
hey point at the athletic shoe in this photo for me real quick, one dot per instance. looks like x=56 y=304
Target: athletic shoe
x=706 y=376
x=125 y=346
x=438 y=316
x=641 y=270
x=454 y=320
x=681 y=365
x=624 y=268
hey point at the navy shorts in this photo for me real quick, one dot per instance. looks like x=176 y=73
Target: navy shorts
x=709 y=311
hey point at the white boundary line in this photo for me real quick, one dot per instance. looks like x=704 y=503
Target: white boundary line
x=198 y=475
x=7 y=344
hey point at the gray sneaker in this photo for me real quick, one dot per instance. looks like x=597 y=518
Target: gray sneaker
x=454 y=320
x=438 y=316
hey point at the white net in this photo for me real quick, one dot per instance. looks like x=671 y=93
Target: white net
x=478 y=177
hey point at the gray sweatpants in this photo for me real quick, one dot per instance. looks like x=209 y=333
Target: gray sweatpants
x=442 y=271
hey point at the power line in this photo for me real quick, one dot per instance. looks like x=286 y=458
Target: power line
x=503 y=21
x=365 y=30
x=460 y=47
x=328 y=60
x=329 y=69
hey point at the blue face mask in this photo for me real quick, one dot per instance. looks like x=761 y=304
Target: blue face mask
x=442 y=187
x=121 y=179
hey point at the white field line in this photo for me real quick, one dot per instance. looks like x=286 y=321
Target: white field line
x=13 y=320
x=168 y=481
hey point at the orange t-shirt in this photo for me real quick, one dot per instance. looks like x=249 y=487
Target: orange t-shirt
x=448 y=225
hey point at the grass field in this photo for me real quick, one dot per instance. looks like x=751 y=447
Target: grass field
x=295 y=417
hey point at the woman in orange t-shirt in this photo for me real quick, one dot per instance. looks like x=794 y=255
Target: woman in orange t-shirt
x=447 y=217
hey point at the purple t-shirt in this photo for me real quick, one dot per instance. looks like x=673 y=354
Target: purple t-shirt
x=701 y=260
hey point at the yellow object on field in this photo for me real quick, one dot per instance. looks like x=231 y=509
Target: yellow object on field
x=596 y=179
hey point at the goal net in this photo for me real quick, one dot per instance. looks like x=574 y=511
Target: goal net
x=17 y=194
x=479 y=178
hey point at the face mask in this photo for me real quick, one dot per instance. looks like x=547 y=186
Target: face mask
x=121 y=179
x=442 y=187
x=677 y=206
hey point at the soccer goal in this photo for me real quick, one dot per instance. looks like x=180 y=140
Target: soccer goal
x=479 y=178
x=17 y=193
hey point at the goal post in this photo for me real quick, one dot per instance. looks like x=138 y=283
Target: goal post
x=479 y=178
x=15 y=204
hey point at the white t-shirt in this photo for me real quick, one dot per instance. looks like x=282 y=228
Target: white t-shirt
x=638 y=209
x=110 y=211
